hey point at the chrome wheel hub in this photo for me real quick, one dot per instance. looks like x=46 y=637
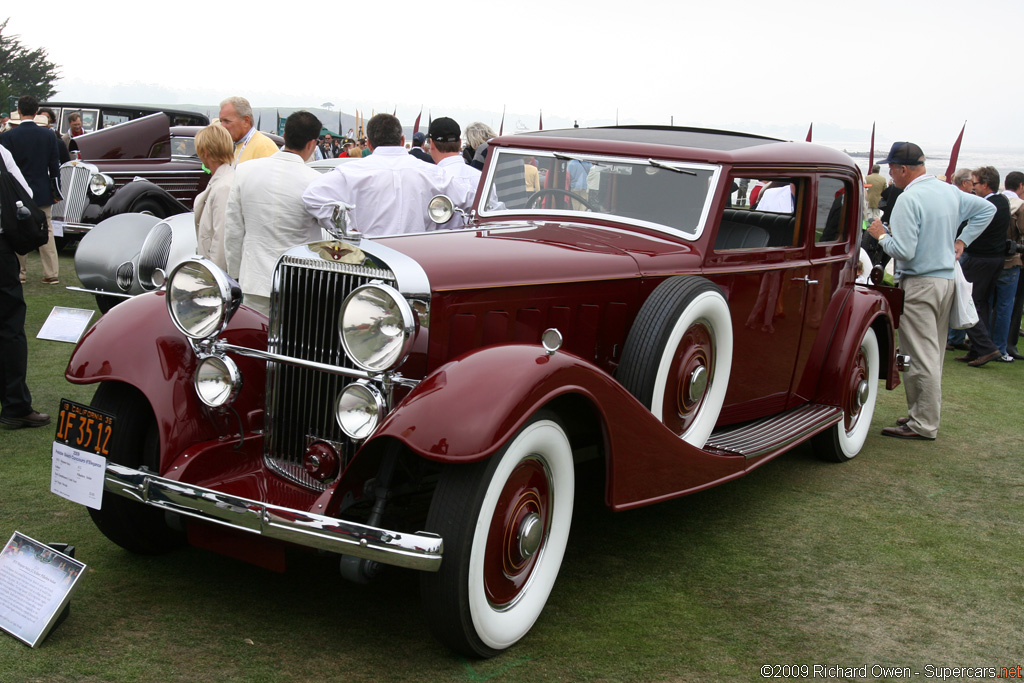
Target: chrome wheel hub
x=698 y=383
x=530 y=533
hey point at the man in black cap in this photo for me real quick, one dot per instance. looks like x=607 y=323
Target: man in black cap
x=446 y=151
x=925 y=244
x=418 y=139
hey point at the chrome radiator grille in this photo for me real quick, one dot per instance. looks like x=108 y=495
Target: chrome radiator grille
x=304 y=324
x=74 y=184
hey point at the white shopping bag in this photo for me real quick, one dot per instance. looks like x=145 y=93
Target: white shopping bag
x=963 y=314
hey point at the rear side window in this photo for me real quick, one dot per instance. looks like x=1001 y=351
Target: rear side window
x=830 y=218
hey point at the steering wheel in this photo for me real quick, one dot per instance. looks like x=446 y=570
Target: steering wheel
x=531 y=202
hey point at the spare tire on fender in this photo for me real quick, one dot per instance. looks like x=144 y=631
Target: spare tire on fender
x=678 y=356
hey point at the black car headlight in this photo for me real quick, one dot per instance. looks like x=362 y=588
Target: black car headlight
x=100 y=184
x=201 y=298
x=376 y=325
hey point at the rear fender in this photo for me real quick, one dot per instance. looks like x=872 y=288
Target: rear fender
x=867 y=308
x=159 y=361
x=470 y=407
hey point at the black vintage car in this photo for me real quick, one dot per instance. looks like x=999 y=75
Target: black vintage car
x=144 y=165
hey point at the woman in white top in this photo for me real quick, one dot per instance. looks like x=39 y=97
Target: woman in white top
x=215 y=149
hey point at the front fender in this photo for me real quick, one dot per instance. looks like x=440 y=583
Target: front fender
x=159 y=362
x=128 y=196
x=111 y=243
x=470 y=407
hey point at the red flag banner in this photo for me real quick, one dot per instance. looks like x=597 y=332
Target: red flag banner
x=871 y=149
x=416 y=126
x=540 y=120
x=809 y=129
x=951 y=169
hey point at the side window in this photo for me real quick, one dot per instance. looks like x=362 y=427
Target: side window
x=761 y=213
x=830 y=217
x=112 y=117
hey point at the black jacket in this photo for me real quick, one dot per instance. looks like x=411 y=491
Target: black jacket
x=34 y=149
x=992 y=242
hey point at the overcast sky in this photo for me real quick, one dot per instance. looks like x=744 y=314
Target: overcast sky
x=917 y=68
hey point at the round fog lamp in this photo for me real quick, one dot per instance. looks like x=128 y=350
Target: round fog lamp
x=359 y=409
x=376 y=326
x=201 y=298
x=217 y=381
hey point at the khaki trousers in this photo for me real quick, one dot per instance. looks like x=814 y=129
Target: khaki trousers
x=47 y=253
x=922 y=335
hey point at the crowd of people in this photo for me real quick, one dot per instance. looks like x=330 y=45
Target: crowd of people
x=261 y=200
x=930 y=227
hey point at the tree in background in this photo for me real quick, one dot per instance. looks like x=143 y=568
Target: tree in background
x=25 y=71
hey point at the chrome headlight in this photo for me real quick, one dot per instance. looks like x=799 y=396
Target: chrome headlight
x=201 y=298
x=376 y=325
x=217 y=381
x=440 y=209
x=359 y=409
x=100 y=183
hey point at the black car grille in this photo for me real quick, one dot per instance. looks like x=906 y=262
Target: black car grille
x=74 y=185
x=304 y=324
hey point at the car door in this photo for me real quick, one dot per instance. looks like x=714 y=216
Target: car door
x=759 y=258
x=834 y=217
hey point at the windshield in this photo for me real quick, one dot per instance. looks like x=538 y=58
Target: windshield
x=671 y=196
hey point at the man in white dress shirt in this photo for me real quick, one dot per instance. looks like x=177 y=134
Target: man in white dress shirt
x=265 y=215
x=389 y=189
x=446 y=151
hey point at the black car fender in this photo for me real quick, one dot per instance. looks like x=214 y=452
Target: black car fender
x=142 y=196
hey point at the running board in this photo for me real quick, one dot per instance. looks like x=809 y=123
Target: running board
x=775 y=432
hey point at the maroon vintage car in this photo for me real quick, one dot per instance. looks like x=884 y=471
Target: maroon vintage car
x=424 y=400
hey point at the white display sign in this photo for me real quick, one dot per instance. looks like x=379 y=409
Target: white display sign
x=65 y=324
x=58 y=227
x=36 y=583
x=77 y=475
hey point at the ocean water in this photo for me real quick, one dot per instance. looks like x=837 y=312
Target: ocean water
x=1004 y=160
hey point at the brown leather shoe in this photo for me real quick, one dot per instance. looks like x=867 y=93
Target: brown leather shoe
x=905 y=432
x=33 y=419
x=981 y=360
x=902 y=421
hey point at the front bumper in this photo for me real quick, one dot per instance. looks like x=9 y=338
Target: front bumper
x=421 y=551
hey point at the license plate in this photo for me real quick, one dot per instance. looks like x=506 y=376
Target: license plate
x=84 y=428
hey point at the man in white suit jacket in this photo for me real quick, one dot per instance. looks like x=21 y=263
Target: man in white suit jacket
x=266 y=215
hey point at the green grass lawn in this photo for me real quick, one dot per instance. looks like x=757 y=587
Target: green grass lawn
x=911 y=556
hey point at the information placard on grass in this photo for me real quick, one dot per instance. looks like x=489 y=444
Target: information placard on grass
x=65 y=324
x=36 y=583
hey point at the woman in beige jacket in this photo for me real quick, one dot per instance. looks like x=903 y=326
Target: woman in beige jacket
x=215 y=150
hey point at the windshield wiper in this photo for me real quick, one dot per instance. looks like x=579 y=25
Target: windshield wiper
x=670 y=167
x=566 y=157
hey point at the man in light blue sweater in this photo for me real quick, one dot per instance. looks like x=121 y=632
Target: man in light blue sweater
x=924 y=242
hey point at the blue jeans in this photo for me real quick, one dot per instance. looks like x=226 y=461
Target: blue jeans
x=1002 y=306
